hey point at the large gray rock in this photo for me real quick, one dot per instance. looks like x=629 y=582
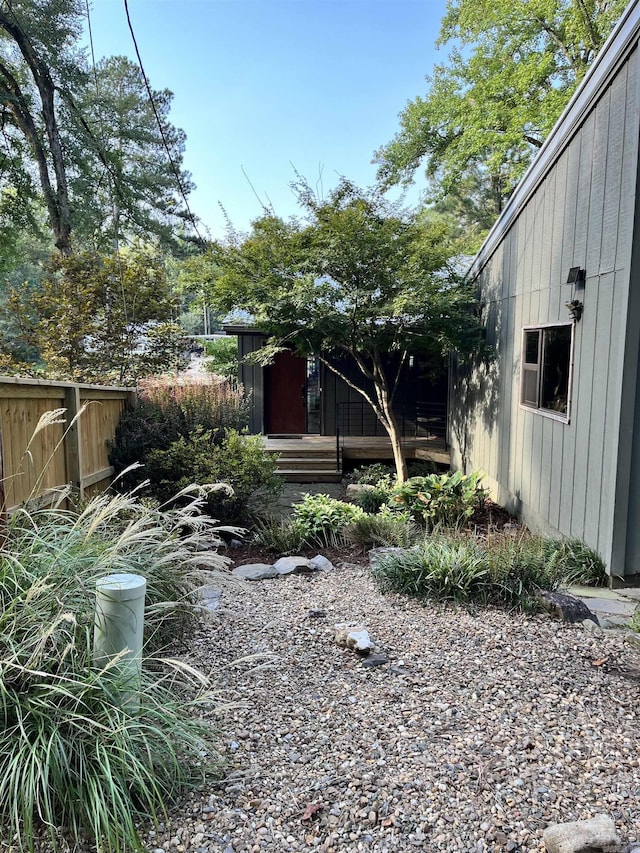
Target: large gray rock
x=322 y=563
x=566 y=607
x=597 y=835
x=255 y=572
x=294 y=566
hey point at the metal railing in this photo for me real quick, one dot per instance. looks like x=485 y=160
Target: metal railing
x=418 y=420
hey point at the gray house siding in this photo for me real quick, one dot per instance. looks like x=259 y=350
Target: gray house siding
x=564 y=477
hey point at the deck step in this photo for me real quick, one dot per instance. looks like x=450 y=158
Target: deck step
x=303 y=464
x=315 y=476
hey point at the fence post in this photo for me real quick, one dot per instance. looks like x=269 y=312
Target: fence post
x=72 y=439
x=118 y=631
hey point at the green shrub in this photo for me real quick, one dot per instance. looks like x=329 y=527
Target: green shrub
x=441 y=499
x=385 y=529
x=371 y=475
x=441 y=569
x=372 y=499
x=222 y=357
x=322 y=518
x=167 y=410
x=70 y=756
x=575 y=562
x=238 y=460
x=279 y=535
x=504 y=570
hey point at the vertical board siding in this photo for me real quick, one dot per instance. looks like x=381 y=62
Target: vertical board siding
x=562 y=475
x=36 y=458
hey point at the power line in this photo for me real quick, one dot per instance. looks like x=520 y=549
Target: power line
x=160 y=127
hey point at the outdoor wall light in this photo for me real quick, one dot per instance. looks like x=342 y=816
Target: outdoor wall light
x=575 y=309
x=576 y=276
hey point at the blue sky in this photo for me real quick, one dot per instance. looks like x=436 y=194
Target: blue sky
x=260 y=85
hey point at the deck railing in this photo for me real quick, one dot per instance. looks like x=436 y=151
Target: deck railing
x=418 y=420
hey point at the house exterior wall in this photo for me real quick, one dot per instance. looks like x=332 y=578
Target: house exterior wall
x=563 y=477
x=251 y=377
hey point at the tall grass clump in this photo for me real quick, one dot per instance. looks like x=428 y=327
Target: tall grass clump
x=385 y=529
x=503 y=570
x=77 y=765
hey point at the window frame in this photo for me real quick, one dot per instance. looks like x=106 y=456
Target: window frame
x=563 y=417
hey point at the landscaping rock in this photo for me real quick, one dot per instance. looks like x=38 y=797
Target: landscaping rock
x=255 y=572
x=322 y=563
x=376 y=553
x=566 y=607
x=354 y=489
x=210 y=596
x=294 y=566
x=373 y=661
x=597 y=835
x=354 y=637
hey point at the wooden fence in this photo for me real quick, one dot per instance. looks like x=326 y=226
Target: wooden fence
x=33 y=463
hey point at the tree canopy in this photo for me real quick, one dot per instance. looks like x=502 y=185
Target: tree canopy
x=84 y=143
x=357 y=277
x=512 y=67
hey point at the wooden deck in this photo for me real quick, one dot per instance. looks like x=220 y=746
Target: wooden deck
x=312 y=458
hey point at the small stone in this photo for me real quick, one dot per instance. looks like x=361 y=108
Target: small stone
x=592 y=627
x=316 y=613
x=294 y=566
x=373 y=661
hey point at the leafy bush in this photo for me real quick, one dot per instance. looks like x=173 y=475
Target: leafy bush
x=222 y=357
x=168 y=409
x=372 y=499
x=322 y=518
x=575 y=562
x=385 y=529
x=240 y=461
x=70 y=755
x=371 y=475
x=441 y=499
x=441 y=568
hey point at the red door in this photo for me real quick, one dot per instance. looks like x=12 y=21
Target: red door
x=285 y=393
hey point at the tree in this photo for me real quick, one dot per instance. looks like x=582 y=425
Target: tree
x=122 y=179
x=512 y=68
x=359 y=278
x=99 y=319
x=87 y=141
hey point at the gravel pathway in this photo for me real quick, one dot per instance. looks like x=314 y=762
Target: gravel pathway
x=482 y=730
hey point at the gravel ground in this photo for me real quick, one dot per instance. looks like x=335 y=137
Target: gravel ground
x=482 y=730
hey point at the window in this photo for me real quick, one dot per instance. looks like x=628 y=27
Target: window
x=546 y=368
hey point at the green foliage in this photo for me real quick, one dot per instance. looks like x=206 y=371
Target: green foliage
x=70 y=756
x=442 y=569
x=99 y=319
x=279 y=535
x=373 y=498
x=512 y=68
x=236 y=460
x=168 y=409
x=322 y=518
x=575 y=562
x=504 y=570
x=371 y=475
x=441 y=499
x=360 y=278
x=385 y=529
x=222 y=357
